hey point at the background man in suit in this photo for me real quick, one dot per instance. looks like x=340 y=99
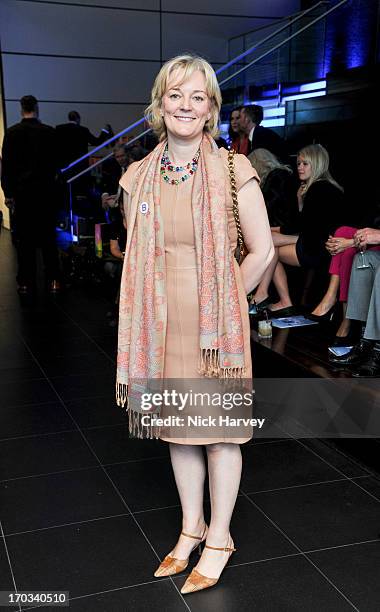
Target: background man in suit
x=29 y=167
x=260 y=137
x=73 y=140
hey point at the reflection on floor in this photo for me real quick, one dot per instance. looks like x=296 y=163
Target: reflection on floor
x=85 y=509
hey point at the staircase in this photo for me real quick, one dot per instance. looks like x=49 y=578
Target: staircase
x=287 y=76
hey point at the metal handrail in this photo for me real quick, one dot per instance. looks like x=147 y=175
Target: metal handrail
x=264 y=40
x=86 y=170
x=100 y=161
x=221 y=69
x=257 y=59
x=104 y=144
x=272 y=23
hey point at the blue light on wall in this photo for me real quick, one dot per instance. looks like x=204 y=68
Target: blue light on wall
x=278 y=122
x=274 y=108
x=350 y=36
x=313 y=86
x=274 y=112
x=302 y=96
x=358 y=28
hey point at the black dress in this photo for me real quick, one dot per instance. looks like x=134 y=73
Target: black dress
x=323 y=212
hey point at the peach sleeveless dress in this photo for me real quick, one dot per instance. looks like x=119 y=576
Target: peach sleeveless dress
x=182 y=336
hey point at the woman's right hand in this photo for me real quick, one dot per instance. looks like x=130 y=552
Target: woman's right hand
x=338 y=244
x=300 y=194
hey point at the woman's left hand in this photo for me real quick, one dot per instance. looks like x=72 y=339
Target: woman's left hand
x=338 y=244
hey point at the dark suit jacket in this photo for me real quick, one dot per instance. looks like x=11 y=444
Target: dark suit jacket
x=29 y=160
x=265 y=138
x=73 y=141
x=323 y=212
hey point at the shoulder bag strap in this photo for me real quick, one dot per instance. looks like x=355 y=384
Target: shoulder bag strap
x=239 y=253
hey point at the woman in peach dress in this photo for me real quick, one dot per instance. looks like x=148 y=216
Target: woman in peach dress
x=183 y=306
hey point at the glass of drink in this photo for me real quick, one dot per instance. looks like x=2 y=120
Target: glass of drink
x=362 y=263
x=265 y=328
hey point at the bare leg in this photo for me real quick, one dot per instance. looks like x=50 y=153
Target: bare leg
x=286 y=254
x=189 y=472
x=281 y=283
x=345 y=325
x=224 y=468
x=262 y=290
x=329 y=298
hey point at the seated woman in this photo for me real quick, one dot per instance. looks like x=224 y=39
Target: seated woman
x=342 y=247
x=238 y=139
x=279 y=189
x=321 y=206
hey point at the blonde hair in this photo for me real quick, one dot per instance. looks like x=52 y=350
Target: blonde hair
x=189 y=63
x=264 y=162
x=319 y=160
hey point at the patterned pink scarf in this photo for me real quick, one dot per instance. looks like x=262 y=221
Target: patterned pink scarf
x=143 y=298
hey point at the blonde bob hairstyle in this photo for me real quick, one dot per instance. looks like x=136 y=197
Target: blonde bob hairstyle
x=188 y=63
x=319 y=160
x=263 y=161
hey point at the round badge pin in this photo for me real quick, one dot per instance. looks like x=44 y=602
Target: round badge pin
x=144 y=207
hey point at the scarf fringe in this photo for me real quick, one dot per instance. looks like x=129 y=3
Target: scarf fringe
x=209 y=366
x=138 y=430
x=122 y=395
x=135 y=425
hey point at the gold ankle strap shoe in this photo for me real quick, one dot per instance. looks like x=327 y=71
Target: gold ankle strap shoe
x=170 y=565
x=197 y=581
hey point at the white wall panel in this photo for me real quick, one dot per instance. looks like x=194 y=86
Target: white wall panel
x=72 y=30
x=108 y=31
x=237 y=7
x=200 y=34
x=93 y=116
x=129 y=4
x=77 y=79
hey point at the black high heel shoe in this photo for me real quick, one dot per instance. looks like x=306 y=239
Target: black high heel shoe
x=352 y=338
x=323 y=318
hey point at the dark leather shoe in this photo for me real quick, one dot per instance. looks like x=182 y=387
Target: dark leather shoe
x=371 y=367
x=55 y=287
x=359 y=353
x=23 y=289
x=282 y=312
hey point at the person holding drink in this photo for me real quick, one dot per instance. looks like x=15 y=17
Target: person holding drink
x=364 y=305
x=343 y=246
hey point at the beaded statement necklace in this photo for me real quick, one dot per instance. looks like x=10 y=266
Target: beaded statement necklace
x=188 y=169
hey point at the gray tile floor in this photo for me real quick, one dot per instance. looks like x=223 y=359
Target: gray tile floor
x=85 y=509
